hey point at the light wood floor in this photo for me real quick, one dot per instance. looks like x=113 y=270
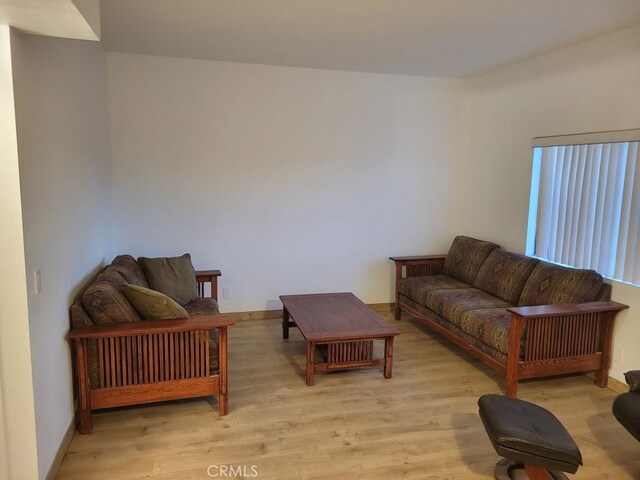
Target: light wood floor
x=421 y=424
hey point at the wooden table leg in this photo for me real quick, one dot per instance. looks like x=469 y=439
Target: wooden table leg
x=311 y=348
x=388 y=357
x=285 y=324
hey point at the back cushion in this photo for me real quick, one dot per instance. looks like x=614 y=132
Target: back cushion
x=465 y=257
x=173 y=276
x=105 y=302
x=130 y=270
x=549 y=283
x=504 y=274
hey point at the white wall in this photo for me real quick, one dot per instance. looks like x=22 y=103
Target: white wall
x=18 y=459
x=592 y=86
x=64 y=151
x=289 y=180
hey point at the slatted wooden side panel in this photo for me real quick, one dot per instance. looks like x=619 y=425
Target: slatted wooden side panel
x=202 y=291
x=344 y=352
x=162 y=357
x=424 y=269
x=559 y=337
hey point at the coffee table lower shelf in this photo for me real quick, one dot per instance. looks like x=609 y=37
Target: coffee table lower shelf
x=346 y=356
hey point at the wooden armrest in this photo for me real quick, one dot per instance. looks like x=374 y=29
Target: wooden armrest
x=147 y=327
x=208 y=273
x=211 y=276
x=545 y=311
x=417 y=265
x=418 y=258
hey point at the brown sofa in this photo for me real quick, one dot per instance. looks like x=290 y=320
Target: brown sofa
x=121 y=359
x=524 y=317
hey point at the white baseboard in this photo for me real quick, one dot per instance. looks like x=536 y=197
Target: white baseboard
x=62 y=450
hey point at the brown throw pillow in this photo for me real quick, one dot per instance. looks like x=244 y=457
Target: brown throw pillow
x=173 y=276
x=152 y=305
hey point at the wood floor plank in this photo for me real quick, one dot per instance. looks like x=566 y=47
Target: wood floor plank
x=421 y=424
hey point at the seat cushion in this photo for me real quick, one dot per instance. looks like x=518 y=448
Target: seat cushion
x=489 y=325
x=526 y=432
x=504 y=274
x=104 y=301
x=451 y=304
x=549 y=284
x=130 y=270
x=465 y=257
x=483 y=347
x=417 y=288
x=201 y=307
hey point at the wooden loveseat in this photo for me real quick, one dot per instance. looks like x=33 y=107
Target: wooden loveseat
x=521 y=316
x=121 y=359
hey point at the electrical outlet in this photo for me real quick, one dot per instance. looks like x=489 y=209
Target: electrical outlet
x=226 y=292
x=37 y=281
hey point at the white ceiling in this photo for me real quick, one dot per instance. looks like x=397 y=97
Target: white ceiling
x=56 y=18
x=448 y=38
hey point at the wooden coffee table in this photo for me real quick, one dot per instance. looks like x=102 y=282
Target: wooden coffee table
x=342 y=327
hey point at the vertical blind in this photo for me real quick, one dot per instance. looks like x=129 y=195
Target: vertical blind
x=587 y=207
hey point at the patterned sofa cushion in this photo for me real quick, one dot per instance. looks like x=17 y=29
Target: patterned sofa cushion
x=417 y=288
x=202 y=306
x=465 y=257
x=489 y=325
x=130 y=270
x=105 y=302
x=504 y=274
x=471 y=340
x=454 y=303
x=549 y=283
x=79 y=316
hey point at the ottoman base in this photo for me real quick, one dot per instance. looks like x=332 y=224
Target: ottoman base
x=511 y=470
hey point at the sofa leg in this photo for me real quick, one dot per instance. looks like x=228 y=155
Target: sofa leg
x=602 y=378
x=85 y=421
x=397 y=311
x=511 y=388
x=223 y=407
x=513 y=357
x=84 y=398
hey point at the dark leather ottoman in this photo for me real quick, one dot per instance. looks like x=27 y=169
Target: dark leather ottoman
x=626 y=407
x=529 y=437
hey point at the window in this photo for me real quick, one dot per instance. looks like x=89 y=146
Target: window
x=585 y=202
